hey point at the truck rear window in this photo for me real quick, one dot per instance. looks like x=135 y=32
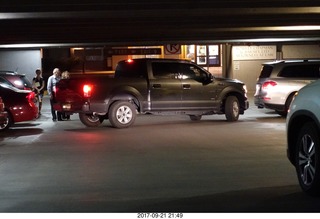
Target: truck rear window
x=134 y=69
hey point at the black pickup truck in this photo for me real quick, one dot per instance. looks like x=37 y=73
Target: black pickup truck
x=153 y=86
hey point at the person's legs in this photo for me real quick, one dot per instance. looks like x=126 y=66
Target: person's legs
x=40 y=102
x=53 y=112
x=59 y=114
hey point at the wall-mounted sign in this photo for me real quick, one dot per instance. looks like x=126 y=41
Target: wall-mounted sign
x=254 y=52
x=172 y=49
x=126 y=51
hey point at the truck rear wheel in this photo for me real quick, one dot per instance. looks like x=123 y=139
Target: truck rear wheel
x=122 y=114
x=90 y=120
x=232 y=108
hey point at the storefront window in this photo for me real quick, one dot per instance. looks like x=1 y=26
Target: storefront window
x=205 y=55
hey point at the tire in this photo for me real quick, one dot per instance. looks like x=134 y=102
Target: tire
x=286 y=106
x=307 y=159
x=8 y=124
x=232 y=108
x=122 y=114
x=195 y=117
x=90 y=120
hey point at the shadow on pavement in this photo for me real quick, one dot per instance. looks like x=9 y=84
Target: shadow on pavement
x=286 y=199
x=262 y=200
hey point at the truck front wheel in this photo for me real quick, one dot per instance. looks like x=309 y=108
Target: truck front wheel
x=90 y=120
x=122 y=114
x=232 y=108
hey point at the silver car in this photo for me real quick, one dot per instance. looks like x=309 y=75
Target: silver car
x=280 y=80
x=303 y=137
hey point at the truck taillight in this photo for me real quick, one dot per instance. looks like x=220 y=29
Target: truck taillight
x=87 y=90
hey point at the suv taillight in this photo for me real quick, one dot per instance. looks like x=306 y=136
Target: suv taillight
x=268 y=84
x=87 y=90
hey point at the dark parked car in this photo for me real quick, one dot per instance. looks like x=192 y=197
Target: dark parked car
x=19 y=104
x=3 y=115
x=15 y=79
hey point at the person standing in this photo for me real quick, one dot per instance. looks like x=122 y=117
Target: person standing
x=65 y=75
x=38 y=88
x=51 y=88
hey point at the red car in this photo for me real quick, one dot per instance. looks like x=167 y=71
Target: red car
x=19 y=105
x=3 y=115
x=15 y=79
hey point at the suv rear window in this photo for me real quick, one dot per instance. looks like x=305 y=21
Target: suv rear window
x=266 y=71
x=300 y=71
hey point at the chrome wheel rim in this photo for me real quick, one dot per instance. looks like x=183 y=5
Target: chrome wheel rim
x=93 y=118
x=124 y=114
x=307 y=162
x=235 y=108
x=4 y=125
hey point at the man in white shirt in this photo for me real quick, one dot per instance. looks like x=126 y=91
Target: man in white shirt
x=51 y=88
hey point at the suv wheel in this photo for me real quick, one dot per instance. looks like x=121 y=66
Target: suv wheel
x=232 y=108
x=286 y=106
x=307 y=159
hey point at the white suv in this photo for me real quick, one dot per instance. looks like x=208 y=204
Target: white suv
x=303 y=137
x=280 y=80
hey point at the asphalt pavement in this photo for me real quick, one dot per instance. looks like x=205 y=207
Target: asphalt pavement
x=161 y=164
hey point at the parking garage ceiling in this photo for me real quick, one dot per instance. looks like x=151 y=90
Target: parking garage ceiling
x=124 y=22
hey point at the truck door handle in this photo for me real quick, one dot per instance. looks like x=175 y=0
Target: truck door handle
x=186 y=86
x=156 y=85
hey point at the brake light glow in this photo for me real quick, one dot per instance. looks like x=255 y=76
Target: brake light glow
x=268 y=84
x=87 y=90
x=266 y=87
x=129 y=60
x=31 y=97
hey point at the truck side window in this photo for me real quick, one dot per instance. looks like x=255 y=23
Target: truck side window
x=192 y=72
x=187 y=71
x=165 y=70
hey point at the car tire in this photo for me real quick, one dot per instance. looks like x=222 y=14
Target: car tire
x=307 y=159
x=286 y=106
x=90 y=120
x=195 y=117
x=8 y=124
x=122 y=114
x=232 y=108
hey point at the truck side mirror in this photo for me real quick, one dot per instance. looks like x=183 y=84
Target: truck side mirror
x=210 y=77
